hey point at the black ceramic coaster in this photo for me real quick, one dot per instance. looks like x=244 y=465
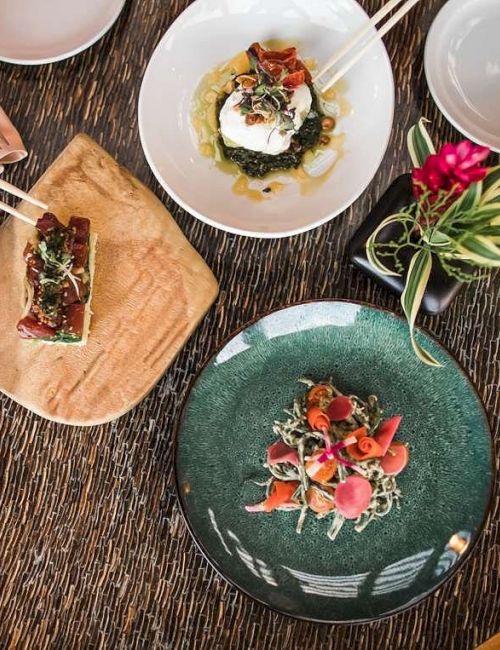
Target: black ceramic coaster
x=441 y=289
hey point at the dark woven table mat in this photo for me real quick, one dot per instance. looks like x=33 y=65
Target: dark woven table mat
x=93 y=550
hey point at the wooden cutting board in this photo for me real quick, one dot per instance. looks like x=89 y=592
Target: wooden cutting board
x=151 y=289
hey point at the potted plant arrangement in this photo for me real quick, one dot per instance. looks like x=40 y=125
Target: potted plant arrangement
x=446 y=229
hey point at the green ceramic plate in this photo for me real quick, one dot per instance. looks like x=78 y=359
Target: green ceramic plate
x=226 y=427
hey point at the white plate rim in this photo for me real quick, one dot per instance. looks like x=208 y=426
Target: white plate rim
x=433 y=31
x=77 y=50
x=240 y=231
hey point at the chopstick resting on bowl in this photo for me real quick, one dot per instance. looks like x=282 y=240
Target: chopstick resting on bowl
x=15 y=191
x=356 y=54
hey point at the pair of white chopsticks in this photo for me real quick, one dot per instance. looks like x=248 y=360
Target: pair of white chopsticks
x=15 y=191
x=349 y=47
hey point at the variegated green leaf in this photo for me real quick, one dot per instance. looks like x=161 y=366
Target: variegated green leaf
x=411 y=298
x=467 y=201
x=492 y=233
x=491 y=186
x=372 y=240
x=479 y=250
x=420 y=144
x=436 y=238
x=492 y=229
x=487 y=212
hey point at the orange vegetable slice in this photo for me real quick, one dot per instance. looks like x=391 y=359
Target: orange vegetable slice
x=321 y=472
x=281 y=494
x=320 y=396
x=366 y=447
x=317 y=419
x=318 y=502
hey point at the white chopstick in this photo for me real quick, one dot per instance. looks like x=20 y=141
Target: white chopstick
x=15 y=191
x=12 y=189
x=402 y=11
x=15 y=213
x=381 y=13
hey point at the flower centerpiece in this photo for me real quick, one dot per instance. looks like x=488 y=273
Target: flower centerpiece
x=453 y=220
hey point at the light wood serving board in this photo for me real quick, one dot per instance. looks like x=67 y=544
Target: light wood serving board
x=151 y=289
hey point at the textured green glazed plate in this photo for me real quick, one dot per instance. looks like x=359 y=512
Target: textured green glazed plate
x=226 y=427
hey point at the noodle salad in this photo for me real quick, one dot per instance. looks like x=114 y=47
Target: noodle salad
x=336 y=457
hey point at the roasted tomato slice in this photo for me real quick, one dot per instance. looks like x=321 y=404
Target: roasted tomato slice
x=81 y=229
x=30 y=328
x=73 y=319
x=287 y=57
x=273 y=68
x=48 y=222
x=275 y=62
x=301 y=67
x=294 y=79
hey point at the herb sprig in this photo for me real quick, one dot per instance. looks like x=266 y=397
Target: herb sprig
x=266 y=99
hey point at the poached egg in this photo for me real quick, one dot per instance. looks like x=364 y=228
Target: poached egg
x=264 y=137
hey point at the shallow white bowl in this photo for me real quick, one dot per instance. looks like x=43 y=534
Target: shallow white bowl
x=462 y=66
x=34 y=32
x=210 y=32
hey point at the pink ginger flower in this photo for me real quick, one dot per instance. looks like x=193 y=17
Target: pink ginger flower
x=452 y=169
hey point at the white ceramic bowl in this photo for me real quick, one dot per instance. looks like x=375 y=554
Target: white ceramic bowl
x=462 y=66
x=210 y=32
x=33 y=32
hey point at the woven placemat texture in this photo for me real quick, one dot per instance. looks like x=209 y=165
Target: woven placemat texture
x=93 y=550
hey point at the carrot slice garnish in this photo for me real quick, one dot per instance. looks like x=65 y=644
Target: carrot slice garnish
x=318 y=501
x=317 y=419
x=321 y=472
x=320 y=396
x=365 y=447
x=370 y=447
x=281 y=494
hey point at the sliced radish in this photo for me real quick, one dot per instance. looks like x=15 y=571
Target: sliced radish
x=396 y=458
x=258 y=507
x=352 y=497
x=386 y=432
x=340 y=408
x=280 y=452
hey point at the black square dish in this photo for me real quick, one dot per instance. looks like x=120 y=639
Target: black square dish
x=441 y=289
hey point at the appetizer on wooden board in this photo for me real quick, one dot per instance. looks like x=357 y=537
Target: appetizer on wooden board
x=60 y=264
x=149 y=292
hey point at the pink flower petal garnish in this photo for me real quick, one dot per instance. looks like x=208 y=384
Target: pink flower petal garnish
x=453 y=169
